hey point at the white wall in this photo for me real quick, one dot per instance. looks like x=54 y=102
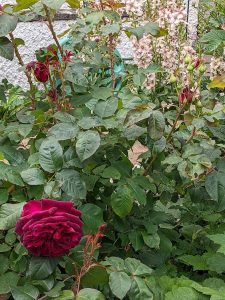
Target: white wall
x=37 y=35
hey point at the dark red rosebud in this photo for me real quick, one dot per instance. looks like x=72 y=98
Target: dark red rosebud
x=40 y=69
x=41 y=72
x=186 y=94
x=67 y=56
x=197 y=63
x=1 y=7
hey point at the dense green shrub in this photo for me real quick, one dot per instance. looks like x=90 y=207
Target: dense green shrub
x=70 y=137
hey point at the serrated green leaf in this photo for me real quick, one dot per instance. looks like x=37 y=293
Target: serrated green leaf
x=105 y=109
x=90 y=294
x=156 y=125
x=7 y=24
x=41 y=267
x=9 y=213
x=6 y=48
x=63 y=131
x=26 y=292
x=51 y=155
x=122 y=201
x=53 y=4
x=92 y=216
x=119 y=283
x=33 y=176
x=87 y=144
x=72 y=183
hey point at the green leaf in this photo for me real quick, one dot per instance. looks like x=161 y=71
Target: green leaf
x=87 y=144
x=134 y=117
x=92 y=216
x=138 y=192
x=26 y=292
x=139 y=290
x=64 y=131
x=216 y=263
x=4 y=263
x=21 y=4
x=110 y=29
x=159 y=146
x=53 y=4
x=90 y=294
x=101 y=93
x=7 y=24
x=95 y=276
x=6 y=48
x=66 y=295
x=136 y=268
x=4 y=248
x=156 y=125
x=198 y=262
x=111 y=172
x=73 y=3
x=9 y=213
x=122 y=201
x=33 y=176
x=105 y=109
x=220 y=240
x=8 y=280
x=119 y=283
x=4 y=195
x=172 y=160
x=151 y=240
x=215 y=187
x=51 y=155
x=72 y=183
x=213 y=39
x=41 y=267
x=184 y=293
x=136 y=240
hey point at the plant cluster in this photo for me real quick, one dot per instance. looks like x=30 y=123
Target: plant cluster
x=150 y=229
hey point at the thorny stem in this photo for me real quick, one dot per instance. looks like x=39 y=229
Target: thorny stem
x=21 y=62
x=51 y=28
x=176 y=120
x=111 y=52
x=112 y=60
x=192 y=135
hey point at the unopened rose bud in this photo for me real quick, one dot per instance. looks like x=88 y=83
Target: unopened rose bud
x=187 y=60
x=173 y=79
x=199 y=104
x=190 y=68
x=202 y=68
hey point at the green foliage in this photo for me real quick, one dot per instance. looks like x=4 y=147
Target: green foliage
x=76 y=139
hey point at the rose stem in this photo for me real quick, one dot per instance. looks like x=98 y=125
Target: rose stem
x=21 y=62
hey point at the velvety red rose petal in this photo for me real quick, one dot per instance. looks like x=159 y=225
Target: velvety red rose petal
x=49 y=227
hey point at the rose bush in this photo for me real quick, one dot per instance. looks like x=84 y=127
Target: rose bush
x=49 y=228
x=138 y=146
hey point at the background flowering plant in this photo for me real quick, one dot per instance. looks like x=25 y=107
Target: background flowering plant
x=74 y=137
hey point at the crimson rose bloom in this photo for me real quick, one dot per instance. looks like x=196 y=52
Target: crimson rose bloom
x=49 y=227
x=40 y=69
